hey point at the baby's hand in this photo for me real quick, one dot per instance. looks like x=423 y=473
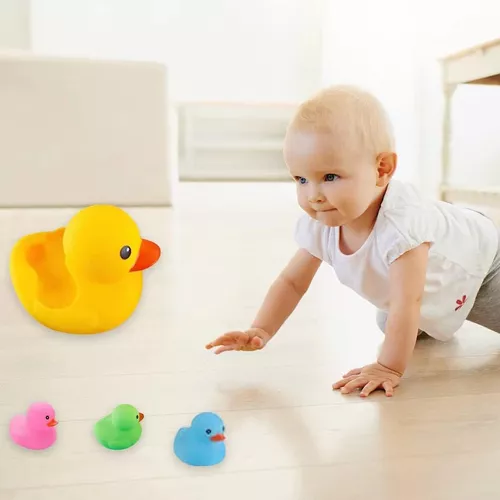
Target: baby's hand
x=249 y=340
x=369 y=378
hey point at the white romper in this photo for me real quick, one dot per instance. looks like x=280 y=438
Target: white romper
x=463 y=246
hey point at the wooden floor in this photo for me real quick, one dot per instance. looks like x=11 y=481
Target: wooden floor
x=289 y=436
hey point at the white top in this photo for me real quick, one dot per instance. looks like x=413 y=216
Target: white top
x=463 y=246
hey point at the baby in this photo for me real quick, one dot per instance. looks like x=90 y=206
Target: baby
x=426 y=265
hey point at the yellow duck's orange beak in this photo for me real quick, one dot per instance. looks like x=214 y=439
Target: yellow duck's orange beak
x=149 y=253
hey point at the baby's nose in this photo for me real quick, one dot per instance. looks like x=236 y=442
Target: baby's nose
x=316 y=198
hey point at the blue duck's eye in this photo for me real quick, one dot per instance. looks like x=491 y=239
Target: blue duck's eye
x=208 y=431
x=125 y=252
x=330 y=177
x=223 y=429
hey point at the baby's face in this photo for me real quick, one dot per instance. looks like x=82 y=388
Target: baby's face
x=334 y=187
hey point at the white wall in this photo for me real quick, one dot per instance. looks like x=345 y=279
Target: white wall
x=283 y=50
x=391 y=48
x=266 y=50
x=15 y=24
x=371 y=44
x=446 y=27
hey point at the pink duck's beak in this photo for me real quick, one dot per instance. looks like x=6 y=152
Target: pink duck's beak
x=52 y=423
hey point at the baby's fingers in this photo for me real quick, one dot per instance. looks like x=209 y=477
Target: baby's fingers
x=226 y=348
x=369 y=388
x=344 y=381
x=254 y=345
x=257 y=343
x=388 y=388
x=354 y=384
x=230 y=338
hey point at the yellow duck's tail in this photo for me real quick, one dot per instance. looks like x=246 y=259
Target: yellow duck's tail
x=23 y=276
x=44 y=285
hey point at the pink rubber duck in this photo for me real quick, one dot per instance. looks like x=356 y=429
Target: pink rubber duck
x=35 y=430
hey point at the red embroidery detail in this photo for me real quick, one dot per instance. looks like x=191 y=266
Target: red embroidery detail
x=460 y=303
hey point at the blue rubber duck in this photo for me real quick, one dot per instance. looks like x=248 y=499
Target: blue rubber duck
x=202 y=444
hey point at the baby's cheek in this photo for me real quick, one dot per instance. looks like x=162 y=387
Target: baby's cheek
x=358 y=205
x=304 y=204
x=301 y=197
x=347 y=204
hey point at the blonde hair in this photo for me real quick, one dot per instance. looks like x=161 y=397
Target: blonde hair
x=355 y=119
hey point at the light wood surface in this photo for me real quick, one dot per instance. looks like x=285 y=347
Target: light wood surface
x=289 y=436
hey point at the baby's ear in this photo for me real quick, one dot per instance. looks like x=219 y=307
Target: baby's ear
x=386 y=166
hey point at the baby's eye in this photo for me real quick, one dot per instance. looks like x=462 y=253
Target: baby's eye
x=330 y=177
x=301 y=180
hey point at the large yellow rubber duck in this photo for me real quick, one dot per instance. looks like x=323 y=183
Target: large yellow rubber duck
x=87 y=277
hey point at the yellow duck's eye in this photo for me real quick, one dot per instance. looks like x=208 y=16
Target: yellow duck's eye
x=125 y=252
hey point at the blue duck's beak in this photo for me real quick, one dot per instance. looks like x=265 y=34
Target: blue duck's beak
x=218 y=437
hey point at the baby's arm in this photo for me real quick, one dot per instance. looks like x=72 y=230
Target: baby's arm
x=286 y=292
x=407 y=280
x=280 y=301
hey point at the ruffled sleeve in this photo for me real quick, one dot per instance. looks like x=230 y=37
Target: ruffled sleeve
x=407 y=228
x=313 y=237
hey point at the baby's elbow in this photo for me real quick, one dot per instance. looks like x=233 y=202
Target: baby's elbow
x=294 y=286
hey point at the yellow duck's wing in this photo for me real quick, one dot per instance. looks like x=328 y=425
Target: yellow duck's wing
x=44 y=285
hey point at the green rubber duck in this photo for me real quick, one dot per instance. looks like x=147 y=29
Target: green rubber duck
x=121 y=429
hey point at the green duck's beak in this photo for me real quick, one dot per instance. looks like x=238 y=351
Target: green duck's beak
x=141 y=416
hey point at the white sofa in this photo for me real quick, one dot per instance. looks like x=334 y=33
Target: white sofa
x=74 y=132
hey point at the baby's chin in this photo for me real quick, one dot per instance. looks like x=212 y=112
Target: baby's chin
x=332 y=218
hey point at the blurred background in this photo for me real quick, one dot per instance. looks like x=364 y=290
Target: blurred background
x=232 y=74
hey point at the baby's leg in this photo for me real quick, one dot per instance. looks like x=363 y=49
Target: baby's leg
x=486 y=309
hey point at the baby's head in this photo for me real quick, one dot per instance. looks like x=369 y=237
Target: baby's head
x=339 y=148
